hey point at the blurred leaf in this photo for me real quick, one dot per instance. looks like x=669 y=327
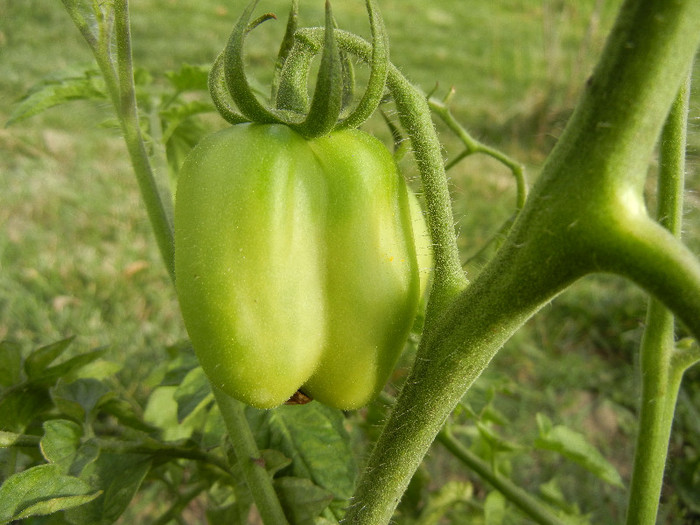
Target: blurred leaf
x=40 y=490
x=181 y=138
x=68 y=369
x=574 y=446
x=189 y=78
x=84 y=85
x=99 y=369
x=274 y=461
x=302 y=500
x=181 y=361
x=439 y=503
x=7 y=439
x=215 y=431
x=161 y=412
x=491 y=414
x=193 y=394
x=552 y=494
x=11 y=360
x=494 y=508
x=41 y=358
x=313 y=436
x=119 y=477
x=687 y=478
x=126 y=414
x=178 y=113
x=233 y=514
x=19 y=407
x=230 y=502
x=496 y=442
x=80 y=399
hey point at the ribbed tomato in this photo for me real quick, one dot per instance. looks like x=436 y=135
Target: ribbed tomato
x=295 y=263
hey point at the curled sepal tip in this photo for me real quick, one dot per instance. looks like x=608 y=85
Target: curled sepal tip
x=234 y=73
x=328 y=96
x=219 y=93
x=285 y=47
x=379 y=69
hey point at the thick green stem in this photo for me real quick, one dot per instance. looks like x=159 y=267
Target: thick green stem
x=587 y=200
x=661 y=379
x=249 y=458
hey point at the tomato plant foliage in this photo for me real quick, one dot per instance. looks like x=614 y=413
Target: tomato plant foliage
x=301 y=261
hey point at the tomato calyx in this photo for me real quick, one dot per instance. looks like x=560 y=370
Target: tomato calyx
x=330 y=107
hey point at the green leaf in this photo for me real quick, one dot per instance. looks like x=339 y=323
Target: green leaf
x=496 y=442
x=119 y=477
x=11 y=359
x=193 y=394
x=175 y=115
x=494 y=508
x=41 y=490
x=69 y=369
x=313 y=436
x=302 y=500
x=85 y=85
x=181 y=361
x=37 y=362
x=19 y=407
x=189 y=78
x=161 y=412
x=451 y=494
x=62 y=445
x=574 y=446
x=551 y=492
x=7 y=439
x=126 y=414
x=61 y=441
x=182 y=133
x=274 y=461
x=215 y=431
x=81 y=398
x=687 y=483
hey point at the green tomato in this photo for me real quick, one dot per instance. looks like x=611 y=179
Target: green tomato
x=295 y=263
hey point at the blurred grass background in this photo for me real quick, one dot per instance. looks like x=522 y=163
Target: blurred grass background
x=77 y=256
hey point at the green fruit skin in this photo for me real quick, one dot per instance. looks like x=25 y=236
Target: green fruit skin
x=295 y=263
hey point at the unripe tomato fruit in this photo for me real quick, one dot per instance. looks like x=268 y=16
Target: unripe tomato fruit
x=295 y=263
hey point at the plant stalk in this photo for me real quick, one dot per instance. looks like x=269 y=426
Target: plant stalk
x=661 y=377
x=158 y=213
x=120 y=86
x=249 y=458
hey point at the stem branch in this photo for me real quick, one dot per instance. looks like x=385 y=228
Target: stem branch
x=661 y=379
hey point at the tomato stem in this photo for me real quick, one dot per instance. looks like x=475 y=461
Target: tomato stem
x=119 y=79
x=249 y=458
x=660 y=373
